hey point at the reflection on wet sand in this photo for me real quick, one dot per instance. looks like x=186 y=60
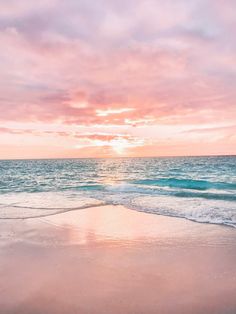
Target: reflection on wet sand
x=117 y=224
x=114 y=260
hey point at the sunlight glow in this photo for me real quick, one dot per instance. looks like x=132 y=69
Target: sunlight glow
x=104 y=113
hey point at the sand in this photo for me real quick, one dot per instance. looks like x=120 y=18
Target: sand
x=115 y=260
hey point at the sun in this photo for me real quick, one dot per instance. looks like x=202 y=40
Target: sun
x=120 y=145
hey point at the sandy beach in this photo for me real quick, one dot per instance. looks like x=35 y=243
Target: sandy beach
x=111 y=259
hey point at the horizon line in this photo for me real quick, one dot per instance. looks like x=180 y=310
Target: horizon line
x=118 y=157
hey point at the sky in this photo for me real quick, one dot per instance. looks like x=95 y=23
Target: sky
x=111 y=78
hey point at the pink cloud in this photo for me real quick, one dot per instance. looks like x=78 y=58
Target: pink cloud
x=120 y=64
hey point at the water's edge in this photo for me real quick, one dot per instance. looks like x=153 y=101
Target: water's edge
x=201 y=189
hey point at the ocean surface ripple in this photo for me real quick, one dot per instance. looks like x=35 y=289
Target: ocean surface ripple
x=201 y=189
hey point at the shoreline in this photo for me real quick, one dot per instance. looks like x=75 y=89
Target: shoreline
x=111 y=259
x=64 y=211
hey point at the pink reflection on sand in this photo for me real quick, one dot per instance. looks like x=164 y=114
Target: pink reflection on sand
x=122 y=226
x=171 y=266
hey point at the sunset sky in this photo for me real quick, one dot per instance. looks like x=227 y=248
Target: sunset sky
x=107 y=78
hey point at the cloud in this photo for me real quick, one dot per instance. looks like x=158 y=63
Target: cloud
x=118 y=143
x=124 y=63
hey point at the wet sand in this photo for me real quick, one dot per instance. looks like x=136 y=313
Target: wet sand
x=115 y=260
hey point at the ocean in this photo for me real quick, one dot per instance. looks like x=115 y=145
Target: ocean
x=202 y=189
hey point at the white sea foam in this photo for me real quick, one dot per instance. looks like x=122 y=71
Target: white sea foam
x=202 y=206
x=30 y=205
x=197 y=209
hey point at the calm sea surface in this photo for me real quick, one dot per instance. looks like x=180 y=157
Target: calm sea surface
x=202 y=189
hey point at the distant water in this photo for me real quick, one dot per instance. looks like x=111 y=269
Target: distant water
x=202 y=189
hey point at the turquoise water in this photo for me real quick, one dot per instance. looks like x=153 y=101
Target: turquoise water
x=202 y=189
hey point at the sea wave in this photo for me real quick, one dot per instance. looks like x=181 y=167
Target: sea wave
x=190 y=184
x=33 y=205
x=199 y=210
x=212 y=194
x=197 y=188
